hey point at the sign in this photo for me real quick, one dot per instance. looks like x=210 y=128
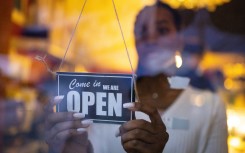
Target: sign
x=99 y=96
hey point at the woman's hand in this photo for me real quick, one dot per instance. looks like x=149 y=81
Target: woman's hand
x=65 y=132
x=140 y=136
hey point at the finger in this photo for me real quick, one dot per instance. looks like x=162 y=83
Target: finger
x=50 y=106
x=65 y=135
x=63 y=126
x=136 y=146
x=147 y=108
x=55 y=118
x=139 y=134
x=135 y=124
x=81 y=138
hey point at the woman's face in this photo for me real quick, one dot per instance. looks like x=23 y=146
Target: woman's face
x=161 y=41
x=156 y=50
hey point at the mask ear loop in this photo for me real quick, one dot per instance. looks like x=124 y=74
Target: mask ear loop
x=42 y=59
x=129 y=59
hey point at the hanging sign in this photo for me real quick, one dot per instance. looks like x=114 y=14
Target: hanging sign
x=99 y=96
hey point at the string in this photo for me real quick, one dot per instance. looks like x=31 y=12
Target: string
x=130 y=62
x=42 y=59
x=72 y=35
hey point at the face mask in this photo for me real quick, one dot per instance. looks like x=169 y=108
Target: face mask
x=158 y=57
x=160 y=61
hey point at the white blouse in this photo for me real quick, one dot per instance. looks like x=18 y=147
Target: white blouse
x=196 y=123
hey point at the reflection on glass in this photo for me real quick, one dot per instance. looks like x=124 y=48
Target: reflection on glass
x=157 y=51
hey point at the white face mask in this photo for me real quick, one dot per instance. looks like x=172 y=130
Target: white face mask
x=157 y=40
x=159 y=57
x=160 y=61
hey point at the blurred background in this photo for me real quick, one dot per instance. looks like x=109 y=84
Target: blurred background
x=31 y=28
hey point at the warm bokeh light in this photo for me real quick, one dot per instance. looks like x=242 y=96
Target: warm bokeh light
x=236 y=127
x=233 y=68
x=178 y=59
x=235 y=142
x=233 y=120
x=228 y=83
x=241 y=129
x=17 y=17
x=196 y=4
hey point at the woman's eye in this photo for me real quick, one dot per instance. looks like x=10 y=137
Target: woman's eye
x=163 y=31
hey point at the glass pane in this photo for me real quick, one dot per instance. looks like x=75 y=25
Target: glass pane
x=181 y=61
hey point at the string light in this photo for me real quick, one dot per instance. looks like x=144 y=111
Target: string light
x=196 y=4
